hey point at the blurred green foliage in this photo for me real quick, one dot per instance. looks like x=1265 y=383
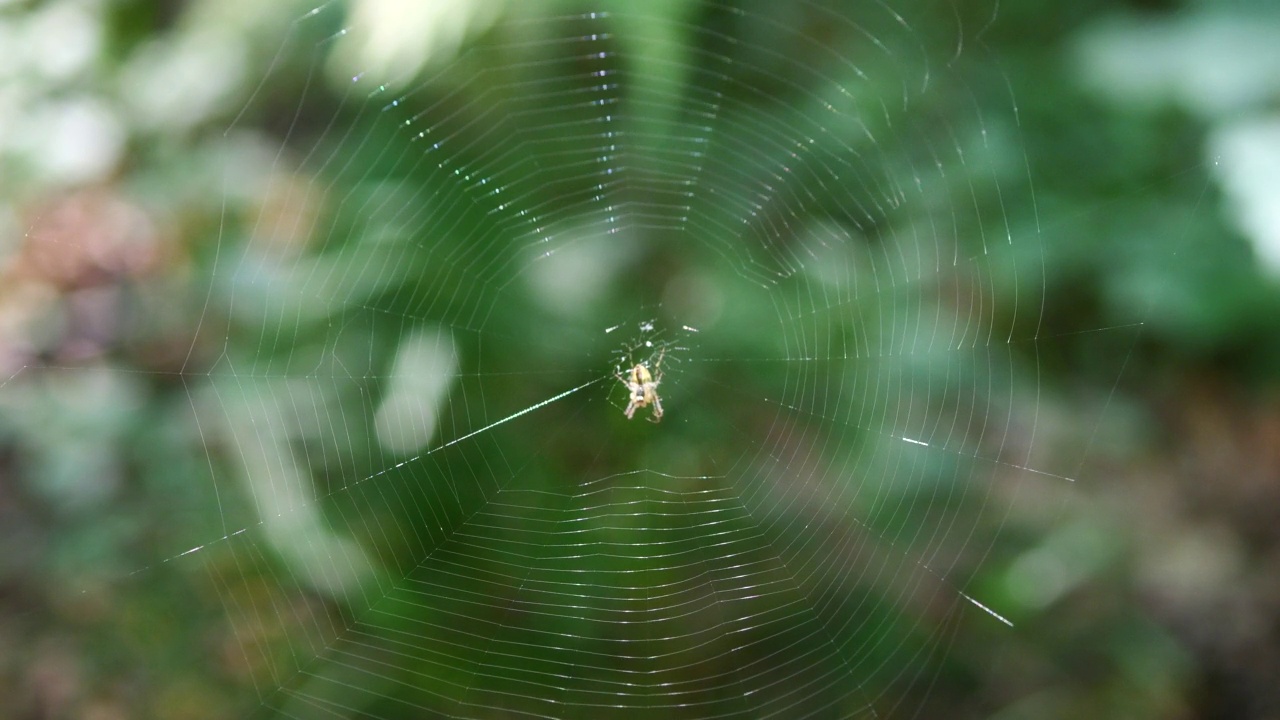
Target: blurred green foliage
x=207 y=511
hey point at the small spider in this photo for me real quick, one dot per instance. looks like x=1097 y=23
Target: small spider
x=642 y=387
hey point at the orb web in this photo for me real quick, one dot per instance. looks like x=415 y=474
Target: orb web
x=405 y=372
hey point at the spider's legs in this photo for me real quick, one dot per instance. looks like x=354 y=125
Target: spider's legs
x=657 y=409
x=631 y=405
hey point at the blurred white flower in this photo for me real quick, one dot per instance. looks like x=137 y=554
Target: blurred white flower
x=394 y=40
x=71 y=141
x=425 y=366
x=1246 y=155
x=62 y=40
x=1209 y=65
x=182 y=80
x=578 y=268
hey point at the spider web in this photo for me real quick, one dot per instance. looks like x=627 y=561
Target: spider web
x=428 y=498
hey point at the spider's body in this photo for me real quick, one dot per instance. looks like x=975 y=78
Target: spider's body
x=642 y=388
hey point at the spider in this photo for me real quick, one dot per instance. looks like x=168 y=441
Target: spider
x=642 y=387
